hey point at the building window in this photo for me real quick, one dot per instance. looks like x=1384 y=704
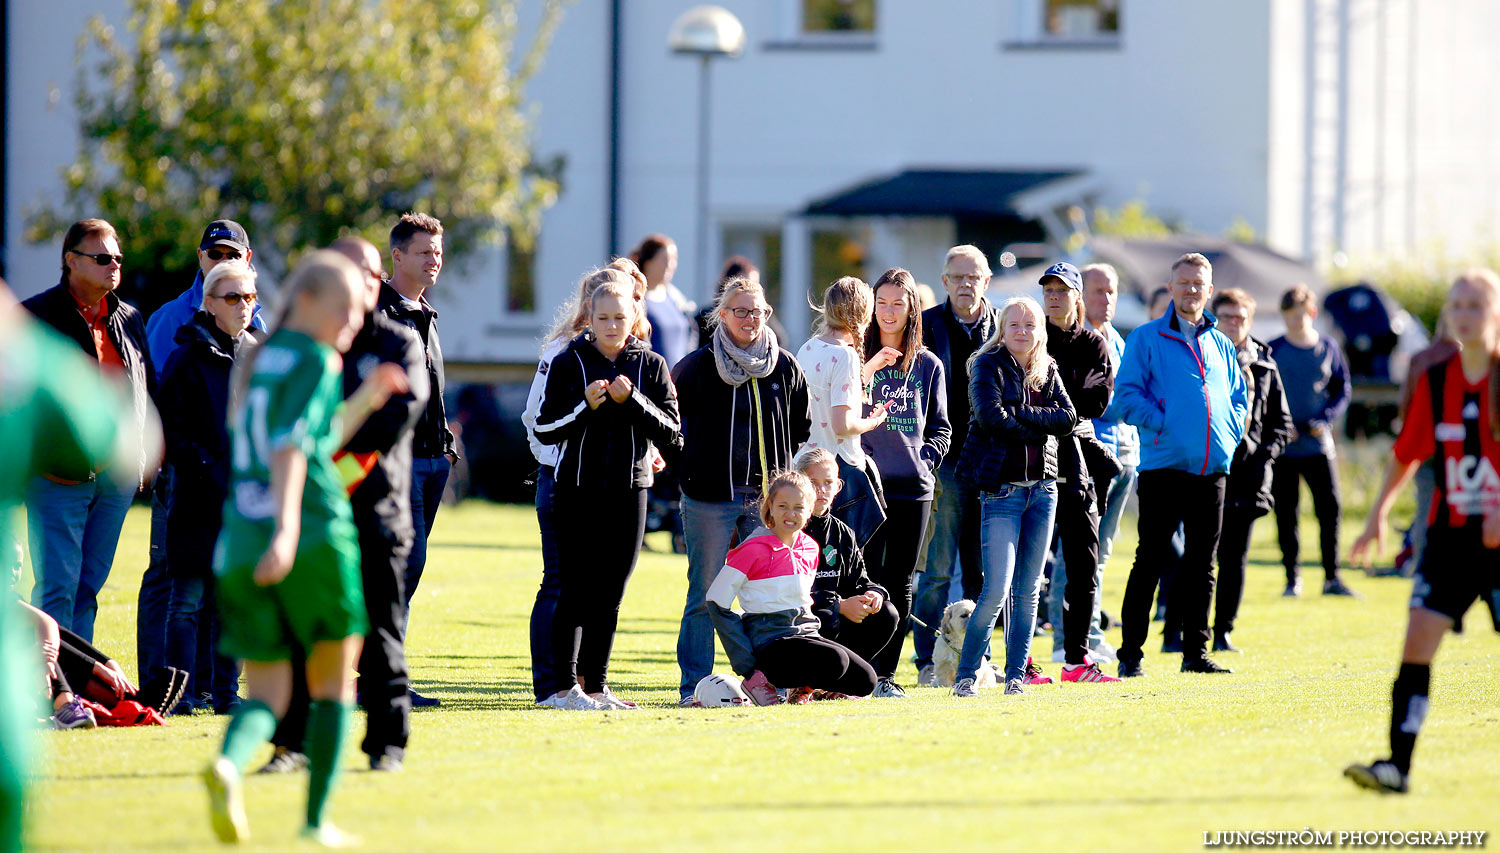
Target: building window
x=1066 y=23
x=520 y=273
x=838 y=16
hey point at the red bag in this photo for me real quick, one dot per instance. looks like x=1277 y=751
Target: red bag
x=126 y=712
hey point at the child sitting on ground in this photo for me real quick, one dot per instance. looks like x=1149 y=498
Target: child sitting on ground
x=776 y=640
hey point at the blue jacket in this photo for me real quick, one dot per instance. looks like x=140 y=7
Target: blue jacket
x=1187 y=397
x=161 y=329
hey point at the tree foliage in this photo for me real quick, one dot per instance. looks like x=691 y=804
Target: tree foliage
x=305 y=120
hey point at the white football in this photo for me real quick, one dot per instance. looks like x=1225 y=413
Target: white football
x=720 y=691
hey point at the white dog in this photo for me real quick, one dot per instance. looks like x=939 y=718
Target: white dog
x=950 y=643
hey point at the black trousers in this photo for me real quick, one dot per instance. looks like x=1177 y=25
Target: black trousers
x=970 y=523
x=383 y=676
x=815 y=662
x=1321 y=474
x=599 y=539
x=1078 y=525
x=1169 y=498
x=891 y=560
x=1234 y=545
x=868 y=636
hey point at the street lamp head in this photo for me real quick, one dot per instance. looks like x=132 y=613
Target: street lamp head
x=707 y=31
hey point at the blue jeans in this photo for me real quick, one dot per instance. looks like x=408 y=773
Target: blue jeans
x=1109 y=525
x=73 y=531
x=192 y=612
x=156 y=585
x=1016 y=533
x=710 y=528
x=935 y=587
x=543 y=676
x=428 y=478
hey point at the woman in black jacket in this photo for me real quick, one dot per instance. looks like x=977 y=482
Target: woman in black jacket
x=1018 y=410
x=194 y=398
x=608 y=402
x=744 y=413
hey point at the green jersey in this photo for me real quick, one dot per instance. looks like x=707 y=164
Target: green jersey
x=293 y=399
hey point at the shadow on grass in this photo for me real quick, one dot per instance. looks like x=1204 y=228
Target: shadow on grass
x=478 y=546
x=1091 y=802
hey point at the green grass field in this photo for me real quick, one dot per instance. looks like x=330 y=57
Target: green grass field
x=1149 y=764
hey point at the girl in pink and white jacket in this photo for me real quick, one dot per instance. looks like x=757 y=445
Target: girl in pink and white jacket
x=775 y=641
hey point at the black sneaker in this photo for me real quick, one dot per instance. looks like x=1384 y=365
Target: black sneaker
x=1382 y=776
x=1222 y=643
x=1171 y=644
x=283 y=760
x=1130 y=668
x=1293 y=589
x=420 y=701
x=1334 y=586
x=1203 y=664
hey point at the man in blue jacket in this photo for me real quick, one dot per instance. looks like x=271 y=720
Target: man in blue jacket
x=1181 y=385
x=223 y=240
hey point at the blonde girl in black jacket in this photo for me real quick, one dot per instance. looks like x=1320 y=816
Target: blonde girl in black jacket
x=608 y=403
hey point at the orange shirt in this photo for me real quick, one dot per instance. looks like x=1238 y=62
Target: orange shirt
x=97 y=317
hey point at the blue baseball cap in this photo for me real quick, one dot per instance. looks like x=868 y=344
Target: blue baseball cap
x=225 y=232
x=1065 y=273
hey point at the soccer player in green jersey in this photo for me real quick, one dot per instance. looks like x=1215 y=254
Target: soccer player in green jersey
x=287 y=561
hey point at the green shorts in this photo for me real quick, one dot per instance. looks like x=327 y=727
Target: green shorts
x=321 y=599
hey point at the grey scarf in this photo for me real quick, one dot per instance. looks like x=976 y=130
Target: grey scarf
x=737 y=366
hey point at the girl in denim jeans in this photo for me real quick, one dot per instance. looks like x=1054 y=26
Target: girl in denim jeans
x=1018 y=411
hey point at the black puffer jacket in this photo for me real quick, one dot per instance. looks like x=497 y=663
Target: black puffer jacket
x=841 y=571
x=1266 y=435
x=1013 y=430
x=194 y=401
x=608 y=447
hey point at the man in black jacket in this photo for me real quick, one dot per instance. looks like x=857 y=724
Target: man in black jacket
x=1247 y=494
x=953 y=331
x=377 y=466
x=416 y=260
x=75 y=517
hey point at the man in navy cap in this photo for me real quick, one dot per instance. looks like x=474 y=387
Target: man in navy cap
x=223 y=240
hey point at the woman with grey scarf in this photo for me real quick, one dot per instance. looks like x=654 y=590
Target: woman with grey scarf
x=743 y=403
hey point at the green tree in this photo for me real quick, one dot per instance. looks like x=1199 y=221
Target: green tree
x=304 y=120
x=1132 y=221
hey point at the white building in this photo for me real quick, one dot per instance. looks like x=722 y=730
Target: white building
x=1353 y=126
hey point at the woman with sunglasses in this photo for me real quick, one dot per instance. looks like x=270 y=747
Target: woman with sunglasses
x=193 y=403
x=744 y=413
x=907 y=450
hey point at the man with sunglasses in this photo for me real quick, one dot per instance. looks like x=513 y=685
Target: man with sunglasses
x=74 y=515
x=223 y=240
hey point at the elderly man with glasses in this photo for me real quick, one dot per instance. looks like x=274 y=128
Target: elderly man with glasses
x=74 y=515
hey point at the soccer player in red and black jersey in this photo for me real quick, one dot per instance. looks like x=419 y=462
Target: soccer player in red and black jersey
x=1455 y=417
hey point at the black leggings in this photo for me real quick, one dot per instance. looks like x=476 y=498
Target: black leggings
x=793 y=662
x=599 y=540
x=1078 y=522
x=891 y=557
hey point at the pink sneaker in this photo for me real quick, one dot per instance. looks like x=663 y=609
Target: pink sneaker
x=1034 y=673
x=760 y=690
x=1086 y=671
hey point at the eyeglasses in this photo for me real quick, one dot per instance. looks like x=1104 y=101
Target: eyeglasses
x=103 y=259
x=237 y=298
x=217 y=254
x=971 y=278
x=754 y=313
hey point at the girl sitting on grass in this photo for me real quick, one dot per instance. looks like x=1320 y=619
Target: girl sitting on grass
x=776 y=640
x=287 y=561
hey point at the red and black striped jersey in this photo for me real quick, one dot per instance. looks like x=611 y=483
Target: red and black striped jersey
x=1453 y=419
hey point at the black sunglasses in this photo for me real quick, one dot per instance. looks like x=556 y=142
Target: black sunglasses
x=217 y=254
x=103 y=259
x=235 y=298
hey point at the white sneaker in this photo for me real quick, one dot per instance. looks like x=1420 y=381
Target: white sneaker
x=964 y=688
x=577 y=700
x=887 y=688
x=226 y=801
x=548 y=701
x=610 y=701
x=1014 y=687
x=927 y=677
x=688 y=701
x=1103 y=652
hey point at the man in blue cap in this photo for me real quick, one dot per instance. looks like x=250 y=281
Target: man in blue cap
x=223 y=240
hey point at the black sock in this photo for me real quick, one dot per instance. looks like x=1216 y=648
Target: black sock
x=1408 y=710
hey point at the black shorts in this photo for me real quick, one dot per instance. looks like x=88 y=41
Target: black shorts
x=1456 y=569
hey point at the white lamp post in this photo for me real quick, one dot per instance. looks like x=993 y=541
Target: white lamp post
x=706 y=32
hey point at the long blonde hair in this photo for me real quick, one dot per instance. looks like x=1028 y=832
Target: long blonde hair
x=573 y=316
x=1487 y=282
x=1038 y=363
x=847 y=306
